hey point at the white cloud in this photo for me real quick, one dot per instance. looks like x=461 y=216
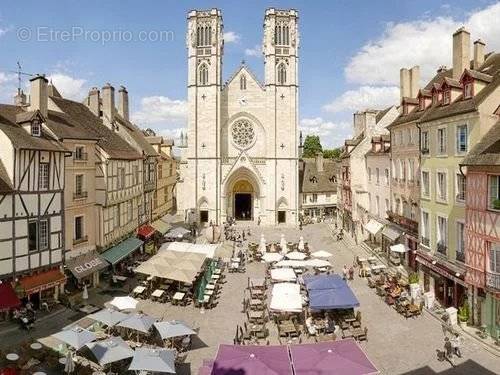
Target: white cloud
x=8 y=85
x=4 y=30
x=231 y=37
x=363 y=98
x=161 y=113
x=425 y=42
x=255 y=51
x=332 y=134
x=69 y=87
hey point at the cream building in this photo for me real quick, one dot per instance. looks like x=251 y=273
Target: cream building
x=241 y=157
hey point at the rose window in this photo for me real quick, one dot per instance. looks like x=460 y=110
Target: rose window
x=243 y=133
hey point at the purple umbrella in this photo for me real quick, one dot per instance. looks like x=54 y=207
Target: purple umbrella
x=262 y=360
x=343 y=357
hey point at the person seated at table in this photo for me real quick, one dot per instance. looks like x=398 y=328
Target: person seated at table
x=311 y=328
x=329 y=324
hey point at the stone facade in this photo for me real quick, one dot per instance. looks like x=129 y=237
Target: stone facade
x=241 y=155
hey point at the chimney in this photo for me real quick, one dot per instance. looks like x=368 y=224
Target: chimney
x=478 y=53
x=20 y=98
x=461 y=52
x=108 y=101
x=39 y=99
x=123 y=102
x=94 y=101
x=404 y=83
x=319 y=162
x=414 y=81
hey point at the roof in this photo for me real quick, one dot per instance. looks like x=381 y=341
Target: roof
x=5 y=183
x=478 y=75
x=437 y=111
x=312 y=181
x=137 y=135
x=19 y=137
x=93 y=127
x=487 y=150
x=380 y=115
x=248 y=71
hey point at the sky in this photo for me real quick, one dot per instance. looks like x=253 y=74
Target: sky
x=350 y=51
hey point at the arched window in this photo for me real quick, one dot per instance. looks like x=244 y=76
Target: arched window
x=281 y=74
x=243 y=82
x=203 y=75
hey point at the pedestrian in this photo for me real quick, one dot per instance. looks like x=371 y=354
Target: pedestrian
x=455 y=344
x=345 y=271
x=448 y=349
x=243 y=234
x=258 y=221
x=300 y=225
x=351 y=273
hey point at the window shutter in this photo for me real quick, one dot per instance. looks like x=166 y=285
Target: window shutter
x=493 y=189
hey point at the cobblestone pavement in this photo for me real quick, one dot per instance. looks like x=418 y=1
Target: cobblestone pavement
x=395 y=345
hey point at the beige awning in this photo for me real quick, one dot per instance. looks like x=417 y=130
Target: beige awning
x=373 y=226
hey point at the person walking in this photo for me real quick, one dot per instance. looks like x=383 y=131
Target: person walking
x=448 y=350
x=351 y=273
x=345 y=272
x=455 y=344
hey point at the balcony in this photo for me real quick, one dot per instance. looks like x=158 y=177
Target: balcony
x=80 y=195
x=425 y=241
x=80 y=240
x=409 y=225
x=441 y=248
x=460 y=256
x=80 y=156
x=493 y=280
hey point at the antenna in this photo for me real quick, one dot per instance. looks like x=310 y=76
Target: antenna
x=20 y=73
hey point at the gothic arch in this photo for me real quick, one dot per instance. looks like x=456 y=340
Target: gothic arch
x=203 y=74
x=242 y=174
x=282 y=203
x=281 y=73
x=203 y=203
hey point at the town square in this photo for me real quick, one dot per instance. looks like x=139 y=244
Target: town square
x=250 y=188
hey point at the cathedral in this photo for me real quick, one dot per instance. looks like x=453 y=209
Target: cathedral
x=240 y=154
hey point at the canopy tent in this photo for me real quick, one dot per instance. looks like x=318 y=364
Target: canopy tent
x=175 y=328
x=177 y=233
x=391 y=232
x=138 y=322
x=399 y=248
x=161 y=226
x=373 y=227
x=184 y=247
x=296 y=255
x=124 y=303
x=108 y=317
x=264 y=360
x=328 y=292
x=301 y=245
x=8 y=298
x=333 y=357
x=110 y=350
x=154 y=360
x=286 y=297
x=75 y=337
x=292 y=263
x=283 y=274
x=272 y=257
x=321 y=254
x=318 y=263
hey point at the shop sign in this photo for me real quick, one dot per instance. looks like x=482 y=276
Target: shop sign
x=440 y=271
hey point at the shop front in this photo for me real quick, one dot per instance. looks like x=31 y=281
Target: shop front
x=146 y=233
x=447 y=285
x=162 y=228
x=374 y=227
x=42 y=287
x=85 y=269
x=122 y=256
x=390 y=237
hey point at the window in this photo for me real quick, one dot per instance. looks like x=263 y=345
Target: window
x=461 y=183
x=33 y=235
x=78 y=228
x=462 y=138
x=282 y=34
x=425 y=142
x=411 y=169
x=80 y=153
x=243 y=82
x=460 y=255
x=494 y=201
x=130 y=211
x=79 y=185
x=377 y=175
x=203 y=75
x=494 y=258
x=441 y=185
x=165 y=194
x=442 y=235
x=314 y=198
x=43 y=175
x=403 y=170
x=397 y=206
x=421 y=103
x=425 y=184
x=171 y=169
x=203 y=35
x=281 y=74
x=446 y=97
x=410 y=136
x=36 y=128
x=155 y=199
x=369 y=202
x=387 y=176
x=121 y=178
x=441 y=136
x=386 y=208
x=135 y=174
x=150 y=172
x=116 y=216
x=369 y=174
x=377 y=205
x=435 y=97
x=468 y=90
x=425 y=228
x=160 y=171
x=43 y=231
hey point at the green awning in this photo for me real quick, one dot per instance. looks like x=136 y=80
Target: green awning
x=122 y=250
x=161 y=226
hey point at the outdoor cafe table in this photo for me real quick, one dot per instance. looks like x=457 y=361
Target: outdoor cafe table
x=120 y=278
x=235 y=260
x=215 y=277
x=210 y=287
x=256 y=302
x=139 y=289
x=287 y=328
x=12 y=357
x=217 y=271
x=157 y=293
x=255 y=328
x=178 y=296
x=209 y=292
x=255 y=314
x=258 y=282
x=36 y=346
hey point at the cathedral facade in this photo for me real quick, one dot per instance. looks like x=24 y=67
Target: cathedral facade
x=240 y=154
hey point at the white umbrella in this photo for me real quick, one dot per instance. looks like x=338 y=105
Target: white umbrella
x=283 y=246
x=175 y=328
x=108 y=317
x=110 y=350
x=272 y=257
x=124 y=303
x=155 y=360
x=69 y=366
x=85 y=294
x=138 y=322
x=75 y=337
x=296 y=255
x=318 y=263
x=283 y=274
x=301 y=246
x=262 y=245
x=322 y=254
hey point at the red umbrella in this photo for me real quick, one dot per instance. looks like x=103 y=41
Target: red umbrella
x=8 y=298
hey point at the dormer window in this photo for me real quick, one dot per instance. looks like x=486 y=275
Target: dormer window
x=405 y=109
x=468 y=90
x=36 y=128
x=421 y=103
x=435 y=97
x=446 y=96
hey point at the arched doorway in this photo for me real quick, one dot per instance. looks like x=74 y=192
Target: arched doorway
x=243 y=193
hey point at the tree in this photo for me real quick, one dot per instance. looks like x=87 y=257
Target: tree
x=312 y=146
x=333 y=153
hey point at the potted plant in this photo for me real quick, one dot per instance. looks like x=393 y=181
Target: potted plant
x=413 y=278
x=496 y=204
x=463 y=314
